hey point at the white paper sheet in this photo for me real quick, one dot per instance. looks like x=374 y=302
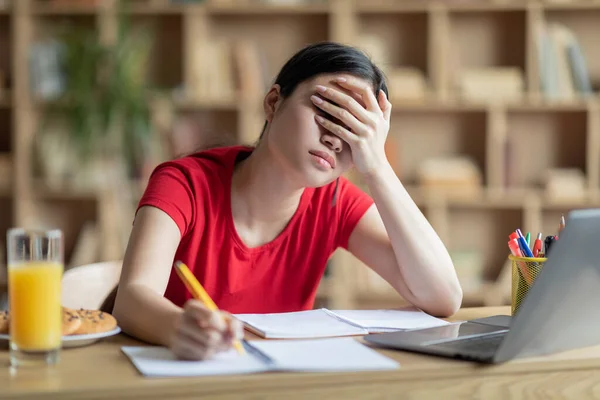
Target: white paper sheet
x=390 y=320
x=159 y=361
x=298 y=325
x=318 y=355
x=321 y=355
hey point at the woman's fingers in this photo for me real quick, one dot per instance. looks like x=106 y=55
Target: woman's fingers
x=203 y=316
x=202 y=336
x=346 y=101
x=385 y=105
x=361 y=87
x=343 y=115
x=336 y=129
x=189 y=350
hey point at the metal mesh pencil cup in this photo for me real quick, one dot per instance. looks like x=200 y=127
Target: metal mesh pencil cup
x=524 y=272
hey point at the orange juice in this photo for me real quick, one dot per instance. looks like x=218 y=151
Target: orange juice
x=35 y=307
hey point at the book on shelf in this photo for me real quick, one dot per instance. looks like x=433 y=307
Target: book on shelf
x=565 y=184
x=407 y=84
x=236 y=67
x=564 y=72
x=453 y=176
x=492 y=84
x=212 y=73
x=249 y=68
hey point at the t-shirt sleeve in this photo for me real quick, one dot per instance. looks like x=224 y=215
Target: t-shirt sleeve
x=353 y=203
x=170 y=190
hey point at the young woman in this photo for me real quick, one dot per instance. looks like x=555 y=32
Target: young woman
x=256 y=225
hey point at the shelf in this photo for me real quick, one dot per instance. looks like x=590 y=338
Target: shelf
x=44 y=191
x=207 y=104
x=457 y=103
x=401 y=38
x=285 y=34
x=577 y=104
x=381 y=6
x=583 y=5
x=591 y=199
x=257 y=8
x=199 y=129
x=501 y=199
x=476 y=6
x=144 y=7
x=43 y=8
x=386 y=7
x=420 y=135
x=485 y=232
x=487 y=39
x=539 y=140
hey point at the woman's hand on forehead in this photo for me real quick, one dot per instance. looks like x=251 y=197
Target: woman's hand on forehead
x=364 y=122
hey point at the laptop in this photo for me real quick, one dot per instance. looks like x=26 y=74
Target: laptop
x=561 y=311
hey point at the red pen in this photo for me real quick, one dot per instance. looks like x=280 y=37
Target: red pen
x=537 y=245
x=514 y=248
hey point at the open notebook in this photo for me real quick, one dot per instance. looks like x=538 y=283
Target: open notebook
x=326 y=323
x=319 y=355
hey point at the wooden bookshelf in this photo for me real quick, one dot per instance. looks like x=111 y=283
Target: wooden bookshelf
x=513 y=142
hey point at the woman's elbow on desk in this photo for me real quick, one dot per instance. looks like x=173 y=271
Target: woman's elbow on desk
x=441 y=306
x=447 y=304
x=443 y=301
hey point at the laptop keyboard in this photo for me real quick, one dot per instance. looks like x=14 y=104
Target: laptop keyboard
x=480 y=347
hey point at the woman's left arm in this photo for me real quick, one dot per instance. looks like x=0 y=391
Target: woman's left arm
x=393 y=237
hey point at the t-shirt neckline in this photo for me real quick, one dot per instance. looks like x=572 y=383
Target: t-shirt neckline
x=231 y=162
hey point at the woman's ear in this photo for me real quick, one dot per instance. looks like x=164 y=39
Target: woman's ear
x=272 y=101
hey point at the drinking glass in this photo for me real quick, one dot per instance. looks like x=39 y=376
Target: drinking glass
x=35 y=268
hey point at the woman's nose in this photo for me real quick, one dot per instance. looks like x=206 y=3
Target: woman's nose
x=332 y=141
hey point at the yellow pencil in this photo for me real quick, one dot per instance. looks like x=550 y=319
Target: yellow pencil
x=199 y=293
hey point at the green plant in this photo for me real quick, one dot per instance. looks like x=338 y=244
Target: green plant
x=106 y=92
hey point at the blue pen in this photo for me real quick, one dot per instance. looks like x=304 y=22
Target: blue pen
x=524 y=248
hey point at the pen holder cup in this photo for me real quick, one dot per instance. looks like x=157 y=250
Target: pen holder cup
x=524 y=272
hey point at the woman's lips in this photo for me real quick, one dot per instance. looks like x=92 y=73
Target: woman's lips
x=324 y=158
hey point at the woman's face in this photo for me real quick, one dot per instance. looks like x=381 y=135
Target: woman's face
x=304 y=148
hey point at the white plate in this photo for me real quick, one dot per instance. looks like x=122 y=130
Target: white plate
x=78 y=340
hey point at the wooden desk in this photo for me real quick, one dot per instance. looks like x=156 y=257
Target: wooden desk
x=101 y=371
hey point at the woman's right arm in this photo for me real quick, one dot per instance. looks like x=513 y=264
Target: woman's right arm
x=140 y=306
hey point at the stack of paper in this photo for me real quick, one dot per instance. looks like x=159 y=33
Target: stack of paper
x=327 y=323
x=319 y=355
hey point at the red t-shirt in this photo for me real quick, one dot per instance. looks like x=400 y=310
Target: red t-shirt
x=279 y=276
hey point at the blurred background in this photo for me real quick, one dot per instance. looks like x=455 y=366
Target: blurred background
x=495 y=125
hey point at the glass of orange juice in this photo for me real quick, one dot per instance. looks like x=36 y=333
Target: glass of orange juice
x=35 y=268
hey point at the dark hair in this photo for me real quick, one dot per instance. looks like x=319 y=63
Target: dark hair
x=327 y=58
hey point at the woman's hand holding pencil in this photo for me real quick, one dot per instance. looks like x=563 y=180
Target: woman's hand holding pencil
x=202 y=330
